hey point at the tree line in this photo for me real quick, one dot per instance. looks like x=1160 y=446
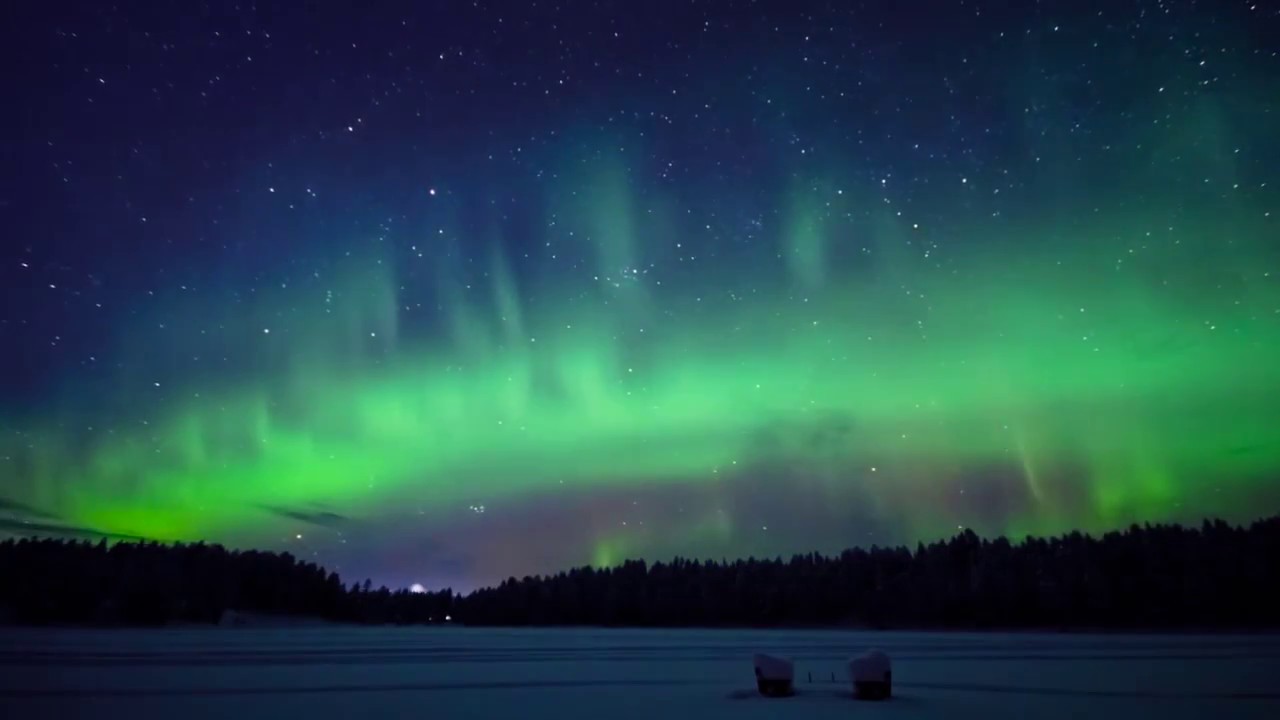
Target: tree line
x=54 y=581
x=1148 y=576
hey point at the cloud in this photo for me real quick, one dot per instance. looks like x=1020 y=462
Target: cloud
x=28 y=527
x=26 y=520
x=314 y=516
x=21 y=509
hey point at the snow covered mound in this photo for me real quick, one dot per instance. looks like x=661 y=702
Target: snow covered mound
x=871 y=676
x=775 y=676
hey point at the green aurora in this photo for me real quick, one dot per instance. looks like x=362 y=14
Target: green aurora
x=1026 y=284
x=1121 y=380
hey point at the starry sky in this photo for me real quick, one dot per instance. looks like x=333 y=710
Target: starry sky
x=443 y=292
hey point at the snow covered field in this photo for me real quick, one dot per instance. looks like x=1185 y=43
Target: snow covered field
x=315 y=673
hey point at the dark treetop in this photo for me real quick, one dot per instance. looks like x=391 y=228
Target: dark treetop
x=1156 y=576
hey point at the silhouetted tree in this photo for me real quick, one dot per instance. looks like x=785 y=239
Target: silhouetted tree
x=46 y=581
x=1157 y=576
x=1153 y=576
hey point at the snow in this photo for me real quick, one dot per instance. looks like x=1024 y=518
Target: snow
x=774 y=668
x=871 y=666
x=315 y=673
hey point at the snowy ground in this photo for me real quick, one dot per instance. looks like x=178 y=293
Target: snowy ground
x=326 y=672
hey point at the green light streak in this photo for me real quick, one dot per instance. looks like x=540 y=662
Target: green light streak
x=1144 y=383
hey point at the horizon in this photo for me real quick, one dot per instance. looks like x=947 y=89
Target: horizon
x=418 y=588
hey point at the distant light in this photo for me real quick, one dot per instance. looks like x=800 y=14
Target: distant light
x=266 y=331
x=448 y=618
x=299 y=536
x=417 y=588
x=431 y=191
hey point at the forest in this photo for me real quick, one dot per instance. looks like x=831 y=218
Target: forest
x=1215 y=576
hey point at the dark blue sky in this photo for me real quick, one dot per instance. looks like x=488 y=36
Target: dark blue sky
x=175 y=172
x=143 y=138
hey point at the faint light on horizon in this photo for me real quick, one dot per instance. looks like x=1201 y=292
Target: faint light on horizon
x=417 y=588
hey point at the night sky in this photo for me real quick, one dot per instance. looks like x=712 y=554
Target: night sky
x=446 y=292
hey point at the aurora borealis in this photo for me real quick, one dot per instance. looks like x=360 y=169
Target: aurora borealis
x=447 y=294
